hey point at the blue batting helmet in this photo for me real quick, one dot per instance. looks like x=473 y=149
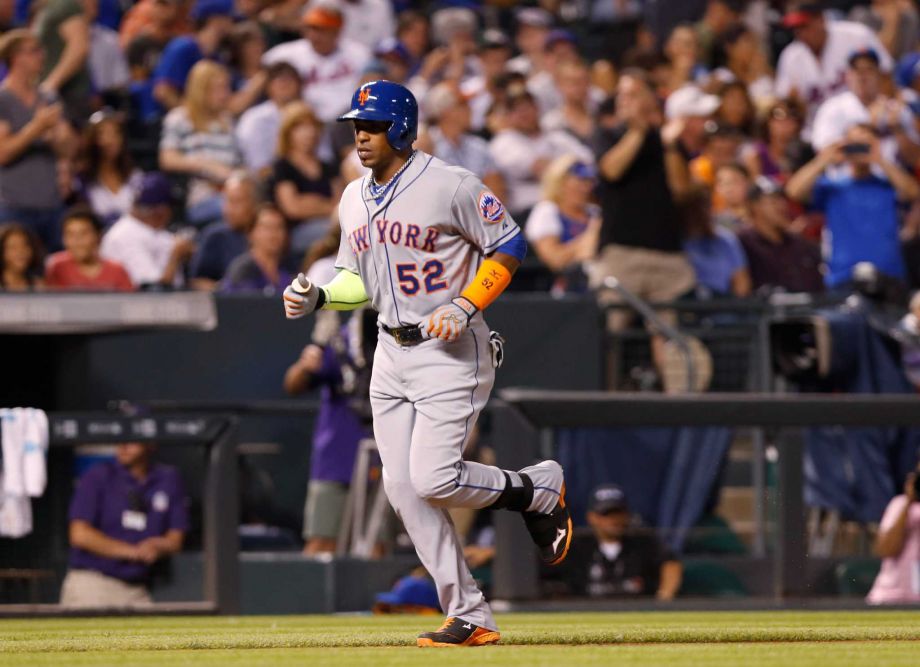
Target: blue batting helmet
x=387 y=101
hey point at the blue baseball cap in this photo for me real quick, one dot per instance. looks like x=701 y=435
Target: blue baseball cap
x=204 y=9
x=154 y=189
x=413 y=591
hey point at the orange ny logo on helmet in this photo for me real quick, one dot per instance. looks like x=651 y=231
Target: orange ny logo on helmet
x=363 y=96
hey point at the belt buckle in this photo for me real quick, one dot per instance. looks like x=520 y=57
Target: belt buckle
x=403 y=336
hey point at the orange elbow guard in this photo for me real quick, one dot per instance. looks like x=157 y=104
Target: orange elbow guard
x=490 y=281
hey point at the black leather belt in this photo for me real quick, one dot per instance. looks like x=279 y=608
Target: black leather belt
x=406 y=336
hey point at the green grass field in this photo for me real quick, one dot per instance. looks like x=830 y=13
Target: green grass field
x=871 y=638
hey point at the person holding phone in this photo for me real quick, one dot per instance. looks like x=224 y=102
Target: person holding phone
x=898 y=544
x=859 y=191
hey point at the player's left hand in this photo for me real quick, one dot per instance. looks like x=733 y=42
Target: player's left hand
x=300 y=297
x=447 y=322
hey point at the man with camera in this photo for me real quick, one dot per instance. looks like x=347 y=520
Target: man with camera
x=898 y=543
x=858 y=191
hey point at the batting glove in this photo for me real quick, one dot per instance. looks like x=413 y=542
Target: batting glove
x=300 y=297
x=447 y=322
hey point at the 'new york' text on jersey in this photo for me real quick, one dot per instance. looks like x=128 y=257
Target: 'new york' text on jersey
x=420 y=244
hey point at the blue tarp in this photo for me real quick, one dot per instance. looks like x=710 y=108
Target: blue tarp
x=856 y=471
x=668 y=474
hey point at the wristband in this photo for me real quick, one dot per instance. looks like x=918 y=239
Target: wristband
x=490 y=281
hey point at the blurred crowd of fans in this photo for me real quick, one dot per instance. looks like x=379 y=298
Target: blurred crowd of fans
x=701 y=147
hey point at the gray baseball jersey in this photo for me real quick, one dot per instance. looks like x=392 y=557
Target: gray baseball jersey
x=416 y=248
x=421 y=244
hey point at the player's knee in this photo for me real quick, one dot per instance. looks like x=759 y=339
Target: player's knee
x=433 y=485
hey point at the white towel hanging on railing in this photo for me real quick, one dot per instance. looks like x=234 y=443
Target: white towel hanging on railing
x=24 y=432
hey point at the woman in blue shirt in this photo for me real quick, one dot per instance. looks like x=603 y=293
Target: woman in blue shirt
x=563 y=227
x=714 y=251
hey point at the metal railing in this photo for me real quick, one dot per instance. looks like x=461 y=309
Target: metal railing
x=522 y=415
x=660 y=326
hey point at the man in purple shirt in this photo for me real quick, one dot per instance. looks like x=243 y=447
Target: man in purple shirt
x=776 y=257
x=335 y=439
x=124 y=516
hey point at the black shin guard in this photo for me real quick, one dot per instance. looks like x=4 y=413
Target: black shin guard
x=515 y=498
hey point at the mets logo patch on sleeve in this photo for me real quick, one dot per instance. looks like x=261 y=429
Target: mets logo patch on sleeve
x=490 y=208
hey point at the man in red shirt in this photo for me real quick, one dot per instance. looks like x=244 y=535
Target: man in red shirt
x=79 y=266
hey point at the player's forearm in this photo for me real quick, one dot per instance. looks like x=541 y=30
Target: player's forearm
x=492 y=278
x=345 y=292
x=510 y=262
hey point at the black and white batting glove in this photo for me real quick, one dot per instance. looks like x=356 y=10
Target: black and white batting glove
x=300 y=297
x=447 y=322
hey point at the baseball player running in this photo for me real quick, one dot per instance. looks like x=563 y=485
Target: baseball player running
x=431 y=247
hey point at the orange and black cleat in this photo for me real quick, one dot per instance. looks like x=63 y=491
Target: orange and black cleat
x=457 y=632
x=551 y=532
